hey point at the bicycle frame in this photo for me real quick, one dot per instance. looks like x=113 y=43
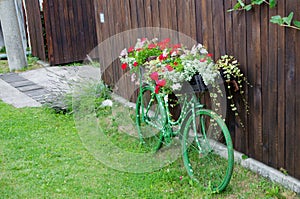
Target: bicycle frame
x=188 y=107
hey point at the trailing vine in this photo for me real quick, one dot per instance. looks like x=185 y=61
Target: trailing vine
x=287 y=21
x=234 y=79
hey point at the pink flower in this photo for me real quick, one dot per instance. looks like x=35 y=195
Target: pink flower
x=135 y=64
x=180 y=178
x=202 y=60
x=161 y=82
x=130 y=49
x=154 y=76
x=150 y=46
x=169 y=68
x=143 y=39
x=124 y=66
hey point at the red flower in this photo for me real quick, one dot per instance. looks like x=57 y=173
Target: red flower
x=202 y=60
x=143 y=39
x=135 y=64
x=167 y=40
x=176 y=46
x=150 y=46
x=209 y=55
x=157 y=89
x=162 y=57
x=154 y=76
x=161 y=82
x=169 y=68
x=130 y=49
x=124 y=66
x=175 y=63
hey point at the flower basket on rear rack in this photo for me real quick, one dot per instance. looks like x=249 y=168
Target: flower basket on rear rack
x=170 y=66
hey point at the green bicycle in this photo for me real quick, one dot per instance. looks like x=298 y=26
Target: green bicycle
x=204 y=137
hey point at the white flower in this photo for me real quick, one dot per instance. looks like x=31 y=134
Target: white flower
x=107 y=103
x=203 y=51
x=176 y=86
x=124 y=52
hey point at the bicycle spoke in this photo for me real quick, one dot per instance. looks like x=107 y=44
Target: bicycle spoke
x=204 y=155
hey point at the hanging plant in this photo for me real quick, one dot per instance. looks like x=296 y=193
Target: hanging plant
x=234 y=80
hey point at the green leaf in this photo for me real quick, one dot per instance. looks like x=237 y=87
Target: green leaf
x=236 y=6
x=296 y=23
x=277 y=20
x=248 y=7
x=288 y=19
x=241 y=3
x=244 y=157
x=257 y=2
x=272 y=3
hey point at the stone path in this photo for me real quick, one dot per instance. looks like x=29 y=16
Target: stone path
x=34 y=88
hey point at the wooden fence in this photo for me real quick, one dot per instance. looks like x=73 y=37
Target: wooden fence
x=269 y=55
x=69 y=28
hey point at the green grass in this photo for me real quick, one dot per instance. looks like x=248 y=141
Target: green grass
x=42 y=156
x=4 y=66
x=32 y=64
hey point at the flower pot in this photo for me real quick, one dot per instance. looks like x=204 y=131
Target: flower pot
x=195 y=85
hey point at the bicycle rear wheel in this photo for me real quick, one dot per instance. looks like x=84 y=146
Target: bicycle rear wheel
x=150 y=119
x=207 y=150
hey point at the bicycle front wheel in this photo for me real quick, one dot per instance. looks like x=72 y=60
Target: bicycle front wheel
x=207 y=150
x=150 y=119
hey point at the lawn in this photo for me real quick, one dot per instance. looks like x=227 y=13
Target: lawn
x=42 y=156
x=32 y=64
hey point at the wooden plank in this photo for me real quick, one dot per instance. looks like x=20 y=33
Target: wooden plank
x=207 y=26
x=271 y=121
x=35 y=29
x=219 y=29
x=230 y=118
x=57 y=44
x=265 y=69
x=281 y=89
x=148 y=17
x=64 y=56
x=155 y=16
x=297 y=97
x=199 y=37
x=239 y=22
x=290 y=101
x=49 y=36
x=72 y=29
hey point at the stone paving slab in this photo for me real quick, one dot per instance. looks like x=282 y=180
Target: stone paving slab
x=13 y=96
x=21 y=83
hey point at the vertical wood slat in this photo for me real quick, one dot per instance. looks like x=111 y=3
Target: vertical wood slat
x=281 y=89
x=239 y=47
x=254 y=75
x=290 y=93
x=35 y=29
x=265 y=81
x=272 y=106
x=297 y=96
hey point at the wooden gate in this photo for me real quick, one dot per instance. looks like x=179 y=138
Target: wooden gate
x=69 y=28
